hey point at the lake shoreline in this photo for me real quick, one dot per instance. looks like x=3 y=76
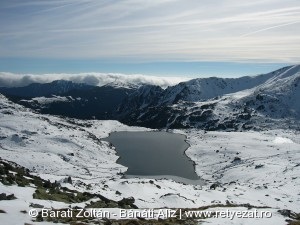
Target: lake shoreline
x=191 y=179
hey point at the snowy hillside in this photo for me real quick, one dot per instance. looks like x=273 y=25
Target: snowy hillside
x=259 y=102
x=202 y=89
x=279 y=96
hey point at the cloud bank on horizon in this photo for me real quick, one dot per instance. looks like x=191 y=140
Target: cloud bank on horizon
x=157 y=30
x=95 y=79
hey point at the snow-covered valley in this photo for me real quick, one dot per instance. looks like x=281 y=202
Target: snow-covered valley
x=243 y=136
x=256 y=168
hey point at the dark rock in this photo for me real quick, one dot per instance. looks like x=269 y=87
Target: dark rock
x=259 y=97
x=214 y=186
x=69 y=180
x=33 y=205
x=236 y=160
x=244 y=116
x=259 y=166
x=10 y=197
x=127 y=202
x=3 y=196
x=285 y=212
x=261 y=107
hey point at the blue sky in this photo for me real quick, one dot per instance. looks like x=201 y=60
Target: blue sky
x=159 y=37
x=187 y=69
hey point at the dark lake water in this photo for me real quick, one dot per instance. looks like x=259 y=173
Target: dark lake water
x=154 y=155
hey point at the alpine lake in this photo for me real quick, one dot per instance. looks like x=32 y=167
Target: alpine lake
x=155 y=154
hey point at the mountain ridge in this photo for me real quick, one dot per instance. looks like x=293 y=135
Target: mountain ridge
x=228 y=110
x=44 y=89
x=249 y=102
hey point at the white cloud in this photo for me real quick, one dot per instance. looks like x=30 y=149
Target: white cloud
x=158 y=30
x=96 y=79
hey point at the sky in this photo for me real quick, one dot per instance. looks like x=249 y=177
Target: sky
x=190 y=38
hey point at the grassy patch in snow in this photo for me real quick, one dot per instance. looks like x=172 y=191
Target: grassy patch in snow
x=294 y=222
x=295 y=219
x=60 y=195
x=13 y=174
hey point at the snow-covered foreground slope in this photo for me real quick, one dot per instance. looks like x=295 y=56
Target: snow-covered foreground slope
x=257 y=168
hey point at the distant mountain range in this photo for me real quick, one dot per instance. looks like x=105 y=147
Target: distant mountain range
x=70 y=99
x=256 y=102
x=38 y=90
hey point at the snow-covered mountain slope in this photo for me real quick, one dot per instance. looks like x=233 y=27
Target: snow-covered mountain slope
x=45 y=143
x=233 y=104
x=272 y=104
x=202 y=89
x=279 y=96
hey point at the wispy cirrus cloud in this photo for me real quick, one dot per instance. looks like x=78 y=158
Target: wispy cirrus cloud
x=158 y=30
